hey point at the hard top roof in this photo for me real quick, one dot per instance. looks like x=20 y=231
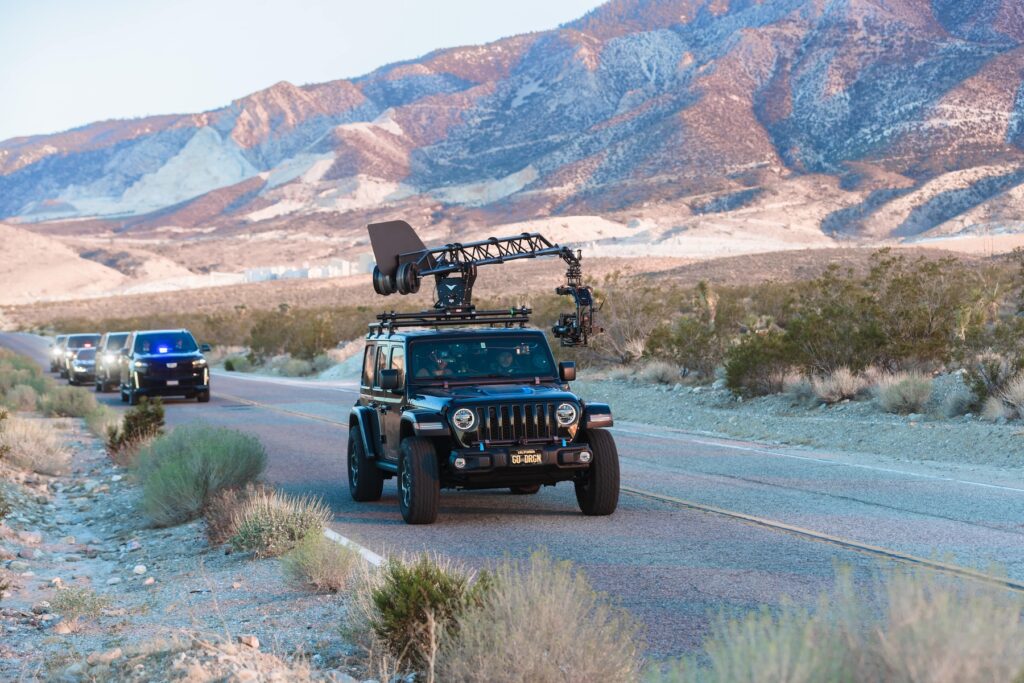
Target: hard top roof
x=453 y=332
x=175 y=331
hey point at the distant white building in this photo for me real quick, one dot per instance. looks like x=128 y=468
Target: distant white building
x=334 y=268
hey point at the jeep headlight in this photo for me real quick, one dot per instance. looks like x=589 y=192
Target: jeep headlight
x=464 y=419
x=566 y=414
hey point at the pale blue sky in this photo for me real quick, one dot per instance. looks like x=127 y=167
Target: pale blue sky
x=65 y=63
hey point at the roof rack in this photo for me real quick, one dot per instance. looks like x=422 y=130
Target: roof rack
x=451 y=317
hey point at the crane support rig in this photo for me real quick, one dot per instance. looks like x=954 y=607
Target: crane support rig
x=403 y=261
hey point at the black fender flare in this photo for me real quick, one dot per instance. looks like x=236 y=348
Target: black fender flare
x=364 y=419
x=422 y=422
x=597 y=416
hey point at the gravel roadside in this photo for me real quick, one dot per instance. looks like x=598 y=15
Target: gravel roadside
x=81 y=532
x=857 y=427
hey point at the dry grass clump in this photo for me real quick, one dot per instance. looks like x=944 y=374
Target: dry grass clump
x=68 y=402
x=620 y=373
x=904 y=392
x=956 y=403
x=799 y=389
x=76 y=602
x=993 y=409
x=182 y=470
x=930 y=630
x=540 y=622
x=658 y=372
x=22 y=397
x=271 y=523
x=33 y=445
x=222 y=508
x=841 y=384
x=1013 y=395
x=321 y=563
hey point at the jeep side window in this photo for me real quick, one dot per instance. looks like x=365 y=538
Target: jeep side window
x=368 y=358
x=382 y=364
x=398 y=363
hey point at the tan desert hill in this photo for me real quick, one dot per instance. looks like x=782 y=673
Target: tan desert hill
x=35 y=268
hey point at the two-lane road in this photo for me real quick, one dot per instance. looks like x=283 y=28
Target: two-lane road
x=704 y=525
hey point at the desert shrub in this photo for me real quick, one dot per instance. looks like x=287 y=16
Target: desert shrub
x=291 y=367
x=182 y=470
x=270 y=523
x=526 y=628
x=102 y=420
x=658 y=372
x=321 y=563
x=799 y=389
x=957 y=402
x=758 y=365
x=323 y=362
x=5 y=507
x=691 y=344
x=988 y=374
x=904 y=392
x=839 y=385
x=68 y=402
x=993 y=409
x=621 y=373
x=930 y=629
x=17 y=370
x=1012 y=394
x=221 y=509
x=238 y=364
x=408 y=608
x=140 y=424
x=75 y=602
x=22 y=397
x=33 y=445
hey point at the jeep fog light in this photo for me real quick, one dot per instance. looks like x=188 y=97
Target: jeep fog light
x=585 y=456
x=460 y=463
x=566 y=414
x=464 y=419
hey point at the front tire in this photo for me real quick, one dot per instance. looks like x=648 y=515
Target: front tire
x=598 y=492
x=365 y=481
x=419 y=487
x=203 y=396
x=133 y=398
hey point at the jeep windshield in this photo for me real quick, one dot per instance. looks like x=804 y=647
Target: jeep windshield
x=464 y=361
x=165 y=342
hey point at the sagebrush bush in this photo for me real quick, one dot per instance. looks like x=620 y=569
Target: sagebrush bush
x=842 y=384
x=75 y=602
x=988 y=374
x=799 y=389
x=140 y=424
x=993 y=409
x=68 y=402
x=102 y=420
x=409 y=607
x=321 y=563
x=758 y=365
x=540 y=622
x=930 y=629
x=659 y=372
x=182 y=470
x=323 y=362
x=33 y=445
x=290 y=367
x=5 y=507
x=238 y=364
x=22 y=397
x=957 y=402
x=270 y=523
x=904 y=392
x=221 y=509
x=692 y=345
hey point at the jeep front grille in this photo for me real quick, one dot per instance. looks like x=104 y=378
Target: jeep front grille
x=515 y=422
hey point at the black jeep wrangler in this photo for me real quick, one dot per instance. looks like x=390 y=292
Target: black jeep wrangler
x=472 y=399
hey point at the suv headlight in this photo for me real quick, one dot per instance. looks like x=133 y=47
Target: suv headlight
x=109 y=358
x=566 y=414
x=140 y=365
x=464 y=419
x=201 y=363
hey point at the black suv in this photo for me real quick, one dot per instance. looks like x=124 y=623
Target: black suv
x=164 y=363
x=72 y=344
x=475 y=409
x=108 y=360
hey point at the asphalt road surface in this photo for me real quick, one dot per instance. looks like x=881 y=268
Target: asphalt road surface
x=705 y=526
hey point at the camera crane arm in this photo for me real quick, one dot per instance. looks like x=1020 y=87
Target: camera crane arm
x=454 y=267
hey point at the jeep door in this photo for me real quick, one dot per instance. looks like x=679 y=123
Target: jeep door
x=394 y=401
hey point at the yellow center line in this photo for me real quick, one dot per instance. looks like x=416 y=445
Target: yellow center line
x=278 y=409
x=846 y=543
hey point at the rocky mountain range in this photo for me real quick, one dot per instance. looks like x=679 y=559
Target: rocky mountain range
x=788 y=120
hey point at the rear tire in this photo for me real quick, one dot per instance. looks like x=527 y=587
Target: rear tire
x=524 y=490
x=203 y=396
x=598 y=492
x=419 y=488
x=365 y=481
x=133 y=398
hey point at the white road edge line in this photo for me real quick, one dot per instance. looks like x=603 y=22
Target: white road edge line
x=367 y=554
x=824 y=461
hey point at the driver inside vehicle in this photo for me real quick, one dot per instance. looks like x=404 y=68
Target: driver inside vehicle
x=436 y=365
x=505 y=363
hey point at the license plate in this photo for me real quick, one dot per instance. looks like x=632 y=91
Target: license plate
x=529 y=457
x=172 y=382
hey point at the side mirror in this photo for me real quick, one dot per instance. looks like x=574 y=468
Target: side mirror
x=205 y=348
x=390 y=380
x=567 y=371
